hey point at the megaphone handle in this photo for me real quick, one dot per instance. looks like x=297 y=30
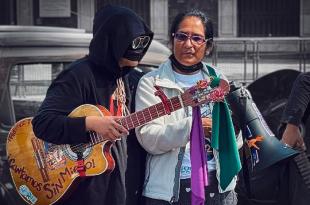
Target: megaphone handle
x=246 y=173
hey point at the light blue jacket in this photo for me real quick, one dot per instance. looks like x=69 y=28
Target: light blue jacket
x=164 y=138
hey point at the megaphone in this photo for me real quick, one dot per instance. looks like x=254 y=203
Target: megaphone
x=265 y=148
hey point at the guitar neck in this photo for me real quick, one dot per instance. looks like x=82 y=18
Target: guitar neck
x=193 y=96
x=142 y=117
x=148 y=114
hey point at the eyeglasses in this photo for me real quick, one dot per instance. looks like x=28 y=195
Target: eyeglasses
x=140 y=42
x=195 y=39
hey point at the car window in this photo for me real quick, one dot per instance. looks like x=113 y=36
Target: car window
x=28 y=84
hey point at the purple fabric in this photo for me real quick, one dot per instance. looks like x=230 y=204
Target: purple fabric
x=199 y=177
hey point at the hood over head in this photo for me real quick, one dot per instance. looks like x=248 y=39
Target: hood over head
x=114 y=30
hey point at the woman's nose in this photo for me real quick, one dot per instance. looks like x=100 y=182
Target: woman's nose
x=188 y=43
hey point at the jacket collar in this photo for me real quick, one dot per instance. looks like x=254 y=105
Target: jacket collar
x=166 y=77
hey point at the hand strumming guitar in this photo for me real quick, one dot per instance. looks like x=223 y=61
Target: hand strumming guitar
x=207 y=125
x=106 y=126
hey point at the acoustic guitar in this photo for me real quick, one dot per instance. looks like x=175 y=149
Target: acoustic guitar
x=44 y=173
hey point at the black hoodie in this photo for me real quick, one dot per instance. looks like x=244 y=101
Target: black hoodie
x=92 y=80
x=114 y=29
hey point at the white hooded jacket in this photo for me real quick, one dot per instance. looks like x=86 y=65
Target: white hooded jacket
x=164 y=138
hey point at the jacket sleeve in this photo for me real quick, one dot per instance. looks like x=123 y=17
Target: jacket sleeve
x=165 y=133
x=298 y=100
x=52 y=123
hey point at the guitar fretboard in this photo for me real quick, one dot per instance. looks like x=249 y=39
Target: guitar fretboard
x=148 y=114
x=140 y=118
x=190 y=98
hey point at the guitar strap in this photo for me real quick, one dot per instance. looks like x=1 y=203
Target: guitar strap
x=81 y=167
x=119 y=96
x=80 y=164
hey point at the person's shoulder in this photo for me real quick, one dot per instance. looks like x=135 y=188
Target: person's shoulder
x=154 y=72
x=305 y=75
x=149 y=77
x=79 y=69
x=303 y=79
x=81 y=65
x=213 y=67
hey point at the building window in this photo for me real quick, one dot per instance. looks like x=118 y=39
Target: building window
x=62 y=21
x=266 y=18
x=209 y=7
x=141 y=7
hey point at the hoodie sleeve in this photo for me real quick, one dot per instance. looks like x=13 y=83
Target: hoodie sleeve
x=162 y=134
x=52 y=123
x=298 y=100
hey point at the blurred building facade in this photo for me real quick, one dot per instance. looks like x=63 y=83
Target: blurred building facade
x=232 y=18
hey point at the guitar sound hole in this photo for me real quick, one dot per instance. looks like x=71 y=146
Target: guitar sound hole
x=78 y=151
x=78 y=148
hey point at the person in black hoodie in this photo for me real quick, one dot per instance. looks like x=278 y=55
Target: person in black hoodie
x=120 y=40
x=296 y=112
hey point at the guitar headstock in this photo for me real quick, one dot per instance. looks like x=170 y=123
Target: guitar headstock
x=201 y=93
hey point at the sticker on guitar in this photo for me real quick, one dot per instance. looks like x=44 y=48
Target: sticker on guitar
x=55 y=157
x=25 y=191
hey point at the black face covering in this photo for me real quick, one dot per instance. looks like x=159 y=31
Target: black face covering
x=184 y=68
x=134 y=55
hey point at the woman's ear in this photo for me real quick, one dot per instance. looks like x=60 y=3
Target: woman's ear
x=209 y=47
x=170 y=45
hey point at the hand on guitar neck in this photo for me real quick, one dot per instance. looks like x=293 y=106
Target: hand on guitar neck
x=106 y=126
x=206 y=121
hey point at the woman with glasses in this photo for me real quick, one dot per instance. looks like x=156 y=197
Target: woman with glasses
x=166 y=139
x=120 y=40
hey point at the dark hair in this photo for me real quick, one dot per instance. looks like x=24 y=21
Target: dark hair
x=208 y=26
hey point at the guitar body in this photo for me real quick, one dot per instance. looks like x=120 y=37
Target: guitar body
x=43 y=173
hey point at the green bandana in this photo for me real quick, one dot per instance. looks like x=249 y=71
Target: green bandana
x=224 y=139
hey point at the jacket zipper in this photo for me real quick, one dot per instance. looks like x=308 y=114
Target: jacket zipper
x=148 y=172
x=176 y=186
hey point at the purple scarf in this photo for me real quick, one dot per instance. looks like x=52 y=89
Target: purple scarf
x=199 y=177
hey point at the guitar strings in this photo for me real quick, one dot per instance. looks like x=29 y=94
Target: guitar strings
x=94 y=136
x=81 y=147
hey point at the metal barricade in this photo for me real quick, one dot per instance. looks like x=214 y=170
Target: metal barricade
x=264 y=55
